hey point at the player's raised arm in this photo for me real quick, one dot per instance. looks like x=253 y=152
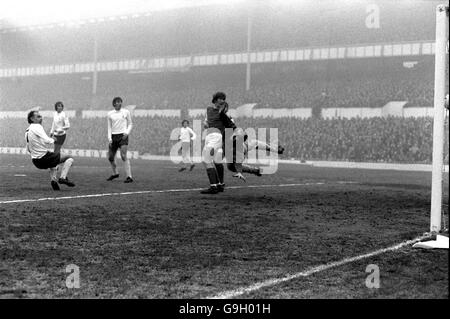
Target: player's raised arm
x=193 y=135
x=227 y=120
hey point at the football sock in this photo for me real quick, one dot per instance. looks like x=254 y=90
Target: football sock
x=127 y=167
x=219 y=169
x=53 y=172
x=212 y=176
x=66 y=166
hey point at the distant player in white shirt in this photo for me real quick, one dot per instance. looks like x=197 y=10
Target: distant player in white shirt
x=186 y=136
x=37 y=144
x=59 y=126
x=119 y=127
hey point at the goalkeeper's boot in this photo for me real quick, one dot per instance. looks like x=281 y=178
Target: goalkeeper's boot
x=55 y=186
x=210 y=190
x=221 y=187
x=182 y=169
x=112 y=177
x=66 y=181
x=192 y=167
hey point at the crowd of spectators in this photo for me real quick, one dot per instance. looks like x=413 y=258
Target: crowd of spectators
x=338 y=84
x=391 y=139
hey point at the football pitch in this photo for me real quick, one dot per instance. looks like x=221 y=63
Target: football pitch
x=304 y=232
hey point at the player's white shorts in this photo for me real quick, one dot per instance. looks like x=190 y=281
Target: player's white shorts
x=213 y=141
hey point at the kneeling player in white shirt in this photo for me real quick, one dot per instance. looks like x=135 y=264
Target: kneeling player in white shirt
x=186 y=135
x=37 y=143
x=119 y=127
x=59 y=126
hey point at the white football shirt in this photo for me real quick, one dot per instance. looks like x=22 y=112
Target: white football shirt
x=185 y=134
x=119 y=122
x=37 y=140
x=60 y=124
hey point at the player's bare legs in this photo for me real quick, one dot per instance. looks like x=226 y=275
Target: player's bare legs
x=186 y=157
x=57 y=148
x=220 y=171
x=54 y=178
x=208 y=163
x=112 y=161
x=66 y=162
x=126 y=163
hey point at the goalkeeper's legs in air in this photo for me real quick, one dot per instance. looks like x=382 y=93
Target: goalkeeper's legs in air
x=251 y=170
x=245 y=168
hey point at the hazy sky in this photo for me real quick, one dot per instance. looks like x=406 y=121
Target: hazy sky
x=29 y=12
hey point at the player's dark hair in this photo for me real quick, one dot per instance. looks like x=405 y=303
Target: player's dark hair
x=30 y=115
x=116 y=99
x=184 y=121
x=218 y=95
x=58 y=104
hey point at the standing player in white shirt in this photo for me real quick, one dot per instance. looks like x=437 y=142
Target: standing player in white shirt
x=119 y=127
x=186 y=135
x=59 y=126
x=37 y=143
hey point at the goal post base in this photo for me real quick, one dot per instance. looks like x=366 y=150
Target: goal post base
x=441 y=242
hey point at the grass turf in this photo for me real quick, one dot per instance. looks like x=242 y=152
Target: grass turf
x=189 y=245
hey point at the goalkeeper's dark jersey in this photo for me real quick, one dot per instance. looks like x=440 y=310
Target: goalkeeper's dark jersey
x=217 y=120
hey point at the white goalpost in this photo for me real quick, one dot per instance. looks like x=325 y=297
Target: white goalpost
x=441 y=60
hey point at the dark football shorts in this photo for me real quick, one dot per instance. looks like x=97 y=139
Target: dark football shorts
x=49 y=160
x=117 y=141
x=60 y=139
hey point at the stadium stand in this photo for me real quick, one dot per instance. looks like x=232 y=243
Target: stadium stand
x=344 y=84
x=362 y=83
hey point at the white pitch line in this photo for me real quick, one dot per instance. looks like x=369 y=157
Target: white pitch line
x=272 y=282
x=154 y=192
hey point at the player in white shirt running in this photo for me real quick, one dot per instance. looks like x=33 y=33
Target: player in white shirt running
x=37 y=144
x=119 y=127
x=186 y=136
x=59 y=126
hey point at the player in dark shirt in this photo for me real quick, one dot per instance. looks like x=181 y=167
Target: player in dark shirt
x=216 y=122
